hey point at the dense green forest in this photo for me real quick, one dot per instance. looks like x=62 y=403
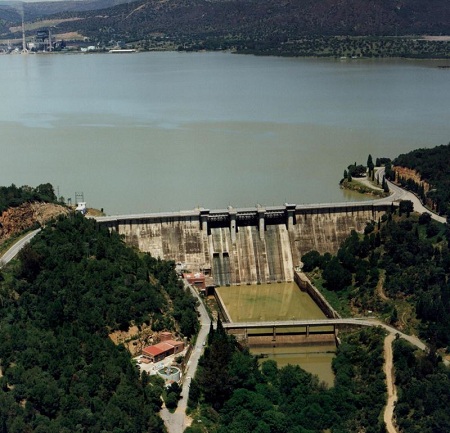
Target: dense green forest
x=433 y=167
x=60 y=372
x=399 y=269
x=12 y=196
x=402 y=260
x=233 y=394
x=424 y=391
x=348 y=47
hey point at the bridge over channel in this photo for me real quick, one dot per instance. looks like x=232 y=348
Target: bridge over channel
x=331 y=324
x=325 y=325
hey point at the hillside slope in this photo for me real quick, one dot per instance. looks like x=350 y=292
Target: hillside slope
x=260 y=19
x=282 y=18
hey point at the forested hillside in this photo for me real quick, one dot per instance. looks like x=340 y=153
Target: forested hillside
x=432 y=167
x=271 y=17
x=232 y=394
x=59 y=370
x=295 y=28
x=12 y=196
x=399 y=268
x=424 y=391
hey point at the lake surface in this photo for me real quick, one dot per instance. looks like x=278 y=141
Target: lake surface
x=169 y=131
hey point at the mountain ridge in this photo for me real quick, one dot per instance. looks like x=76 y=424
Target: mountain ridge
x=269 y=22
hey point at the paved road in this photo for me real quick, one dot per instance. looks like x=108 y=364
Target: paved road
x=401 y=194
x=14 y=250
x=176 y=422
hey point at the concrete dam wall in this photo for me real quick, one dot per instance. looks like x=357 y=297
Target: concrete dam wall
x=245 y=246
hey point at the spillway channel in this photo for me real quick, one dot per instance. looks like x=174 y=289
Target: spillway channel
x=281 y=301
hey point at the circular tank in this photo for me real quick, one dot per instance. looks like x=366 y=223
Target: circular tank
x=170 y=374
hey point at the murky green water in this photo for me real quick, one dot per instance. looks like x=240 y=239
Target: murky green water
x=314 y=359
x=281 y=301
x=263 y=302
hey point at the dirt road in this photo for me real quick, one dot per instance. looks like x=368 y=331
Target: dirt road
x=392 y=392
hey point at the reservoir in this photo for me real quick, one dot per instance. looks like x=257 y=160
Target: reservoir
x=281 y=301
x=167 y=131
x=157 y=132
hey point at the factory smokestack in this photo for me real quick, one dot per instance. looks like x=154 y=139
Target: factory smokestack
x=24 y=43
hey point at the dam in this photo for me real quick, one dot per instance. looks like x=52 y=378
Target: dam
x=245 y=245
x=258 y=246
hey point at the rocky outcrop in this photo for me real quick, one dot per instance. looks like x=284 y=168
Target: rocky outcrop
x=408 y=173
x=18 y=219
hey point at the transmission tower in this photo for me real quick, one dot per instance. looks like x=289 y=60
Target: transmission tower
x=79 y=197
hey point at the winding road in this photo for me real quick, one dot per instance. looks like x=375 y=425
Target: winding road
x=398 y=193
x=177 y=421
x=14 y=250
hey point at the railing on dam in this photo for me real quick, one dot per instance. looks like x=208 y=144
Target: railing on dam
x=259 y=215
x=299 y=323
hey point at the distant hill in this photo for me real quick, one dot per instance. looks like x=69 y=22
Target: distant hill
x=11 y=10
x=269 y=22
x=287 y=18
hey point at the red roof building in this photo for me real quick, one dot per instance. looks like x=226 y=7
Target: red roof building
x=159 y=351
x=196 y=279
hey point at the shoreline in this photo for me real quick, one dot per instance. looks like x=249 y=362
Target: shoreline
x=344 y=55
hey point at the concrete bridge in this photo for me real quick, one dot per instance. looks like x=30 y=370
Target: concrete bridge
x=246 y=245
x=319 y=324
x=307 y=327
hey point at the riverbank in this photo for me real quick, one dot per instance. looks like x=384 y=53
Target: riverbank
x=348 y=48
x=342 y=48
x=365 y=186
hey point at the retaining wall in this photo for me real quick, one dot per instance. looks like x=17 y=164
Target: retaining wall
x=305 y=284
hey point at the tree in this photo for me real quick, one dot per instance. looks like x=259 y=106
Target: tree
x=357 y=170
x=424 y=218
x=46 y=192
x=405 y=206
x=311 y=260
x=336 y=276
x=432 y=229
x=370 y=166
